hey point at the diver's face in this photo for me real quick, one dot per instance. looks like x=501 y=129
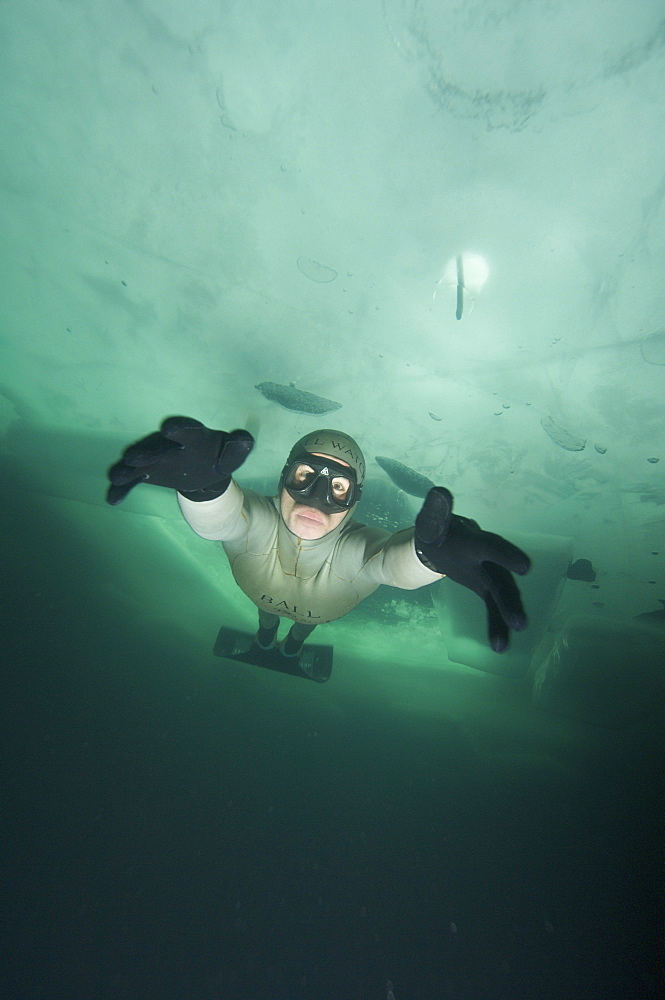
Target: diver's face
x=309 y=522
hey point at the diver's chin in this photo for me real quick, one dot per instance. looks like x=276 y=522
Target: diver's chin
x=309 y=524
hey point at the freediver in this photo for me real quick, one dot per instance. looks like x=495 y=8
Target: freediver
x=301 y=555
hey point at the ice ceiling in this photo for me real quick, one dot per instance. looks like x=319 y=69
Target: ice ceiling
x=202 y=196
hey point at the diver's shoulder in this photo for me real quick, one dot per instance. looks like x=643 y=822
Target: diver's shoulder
x=259 y=503
x=356 y=531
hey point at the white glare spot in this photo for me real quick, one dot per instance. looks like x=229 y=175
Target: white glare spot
x=465 y=274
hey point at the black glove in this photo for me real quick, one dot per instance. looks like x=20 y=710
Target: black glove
x=183 y=455
x=479 y=560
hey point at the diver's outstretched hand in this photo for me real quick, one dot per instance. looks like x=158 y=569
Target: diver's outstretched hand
x=183 y=455
x=479 y=560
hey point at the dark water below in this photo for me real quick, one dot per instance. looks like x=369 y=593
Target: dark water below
x=175 y=831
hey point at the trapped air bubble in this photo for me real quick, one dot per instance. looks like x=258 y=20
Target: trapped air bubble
x=315 y=271
x=653 y=348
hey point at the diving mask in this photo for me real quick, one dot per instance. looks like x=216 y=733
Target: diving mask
x=321 y=483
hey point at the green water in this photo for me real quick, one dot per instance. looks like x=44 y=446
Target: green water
x=198 y=198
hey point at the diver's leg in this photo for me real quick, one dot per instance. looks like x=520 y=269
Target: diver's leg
x=294 y=640
x=268 y=625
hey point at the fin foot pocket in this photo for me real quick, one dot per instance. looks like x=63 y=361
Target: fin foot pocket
x=314 y=663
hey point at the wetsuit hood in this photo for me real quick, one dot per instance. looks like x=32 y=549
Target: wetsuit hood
x=340 y=447
x=336 y=444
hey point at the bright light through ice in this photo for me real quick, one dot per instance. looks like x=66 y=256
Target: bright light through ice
x=466 y=273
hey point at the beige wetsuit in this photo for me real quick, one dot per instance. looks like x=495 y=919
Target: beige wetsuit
x=311 y=582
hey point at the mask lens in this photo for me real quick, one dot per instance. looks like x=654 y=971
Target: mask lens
x=301 y=476
x=340 y=488
x=307 y=481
